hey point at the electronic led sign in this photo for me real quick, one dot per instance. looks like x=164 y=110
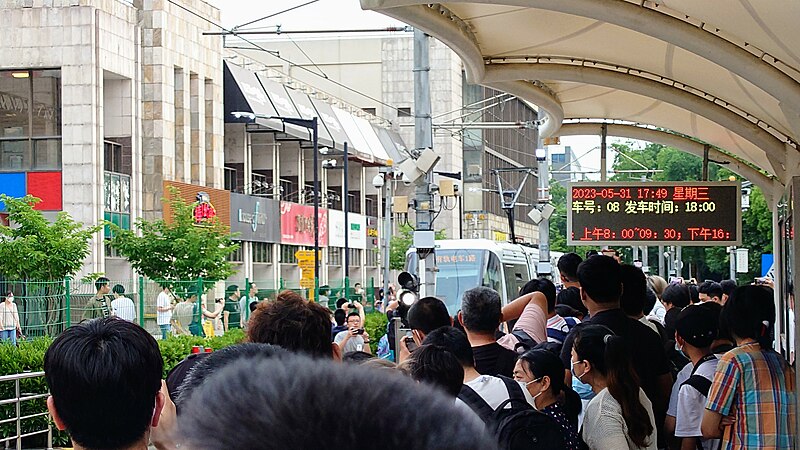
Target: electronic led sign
x=690 y=213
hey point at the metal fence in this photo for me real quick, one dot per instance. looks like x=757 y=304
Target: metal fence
x=48 y=308
x=25 y=420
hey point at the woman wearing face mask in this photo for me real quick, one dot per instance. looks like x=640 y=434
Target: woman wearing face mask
x=620 y=416
x=9 y=320
x=543 y=375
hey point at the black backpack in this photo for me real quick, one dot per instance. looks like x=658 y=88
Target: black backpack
x=526 y=342
x=517 y=428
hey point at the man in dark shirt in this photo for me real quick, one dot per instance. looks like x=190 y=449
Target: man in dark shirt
x=480 y=316
x=232 y=315
x=601 y=288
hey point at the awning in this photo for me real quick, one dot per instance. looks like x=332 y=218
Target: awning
x=285 y=108
x=395 y=151
x=355 y=139
x=328 y=118
x=243 y=93
x=375 y=146
x=306 y=110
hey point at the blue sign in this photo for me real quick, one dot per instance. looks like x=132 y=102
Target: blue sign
x=767 y=260
x=13 y=185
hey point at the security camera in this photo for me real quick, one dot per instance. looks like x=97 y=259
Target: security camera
x=434 y=188
x=329 y=164
x=378 y=181
x=324 y=150
x=406 y=180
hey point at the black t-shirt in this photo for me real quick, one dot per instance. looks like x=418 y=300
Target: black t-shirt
x=494 y=359
x=647 y=351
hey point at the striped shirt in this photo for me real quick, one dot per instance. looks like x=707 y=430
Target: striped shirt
x=756 y=388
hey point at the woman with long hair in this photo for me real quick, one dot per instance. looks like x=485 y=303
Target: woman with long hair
x=620 y=416
x=543 y=374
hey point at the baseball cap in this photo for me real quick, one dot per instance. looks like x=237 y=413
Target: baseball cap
x=697 y=326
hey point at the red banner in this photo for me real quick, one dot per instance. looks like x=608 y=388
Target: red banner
x=297 y=224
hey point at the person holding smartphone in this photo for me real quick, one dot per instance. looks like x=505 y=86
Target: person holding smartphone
x=355 y=338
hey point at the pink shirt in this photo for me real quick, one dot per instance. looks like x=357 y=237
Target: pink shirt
x=532 y=321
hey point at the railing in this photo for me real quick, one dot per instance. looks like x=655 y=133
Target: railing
x=17 y=401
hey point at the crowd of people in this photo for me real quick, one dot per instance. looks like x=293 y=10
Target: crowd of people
x=612 y=360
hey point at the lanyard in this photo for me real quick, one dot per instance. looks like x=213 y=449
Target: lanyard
x=706 y=358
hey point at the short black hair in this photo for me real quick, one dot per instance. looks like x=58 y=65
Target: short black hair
x=290 y=392
x=216 y=361
x=294 y=324
x=481 y=310
x=104 y=376
x=600 y=276
x=711 y=288
x=353 y=314
x=100 y=282
x=438 y=367
x=571 y=297
x=676 y=294
x=118 y=289
x=356 y=357
x=341 y=301
x=428 y=314
x=568 y=311
x=544 y=286
x=750 y=314
x=650 y=300
x=634 y=290
x=231 y=289
x=728 y=286
x=568 y=266
x=694 y=293
x=339 y=316
x=454 y=341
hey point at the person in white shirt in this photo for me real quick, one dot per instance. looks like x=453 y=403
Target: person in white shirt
x=9 y=320
x=493 y=390
x=164 y=309
x=122 y=306
x=602 y=360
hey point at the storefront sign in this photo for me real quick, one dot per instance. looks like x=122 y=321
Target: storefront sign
x=372 y=232
x=255 y=218
x=297 y=224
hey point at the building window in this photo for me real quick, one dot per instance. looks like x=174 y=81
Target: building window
x=30 y=120
x=557 y=158
x=117 y=200
x=287 y=253
x=355 y=257
x=403 y=112
x=237 y=255
x=262 y=252
x=372 y=257
x=369 y=110
x=334 y=256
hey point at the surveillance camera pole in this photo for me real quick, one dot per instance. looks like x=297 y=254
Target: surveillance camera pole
x=423 y=138
x=543 y=269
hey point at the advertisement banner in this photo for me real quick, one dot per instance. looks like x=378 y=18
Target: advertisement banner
x=256 y=219
x=373 y=232
x=297 y=224
x=208 y=203
x=358 y=229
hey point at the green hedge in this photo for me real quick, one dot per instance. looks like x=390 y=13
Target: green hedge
x=376 y=327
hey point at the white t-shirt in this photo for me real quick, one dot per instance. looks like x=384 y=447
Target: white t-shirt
x=124 y=308
x=532 y=321
x=683 y=375
x=658 y=312
x=354 y=344
x=652 y=326
x=604 y=427
x=691 y=405
x=163 y=301
x=8 y=316
x=492 y=390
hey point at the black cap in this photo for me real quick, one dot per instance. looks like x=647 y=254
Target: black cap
x=697 y=326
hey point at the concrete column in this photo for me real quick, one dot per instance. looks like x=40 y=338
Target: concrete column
x=182 y=129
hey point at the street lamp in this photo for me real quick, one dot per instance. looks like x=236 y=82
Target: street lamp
x=311 y=124
x=331 y=165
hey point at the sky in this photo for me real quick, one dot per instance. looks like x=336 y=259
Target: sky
x=347 y=14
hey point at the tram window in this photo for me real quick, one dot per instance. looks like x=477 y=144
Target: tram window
x=491 y=278
x=516 y=275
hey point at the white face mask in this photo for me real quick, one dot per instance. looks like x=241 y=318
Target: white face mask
x=572 y=369
x=537 y=395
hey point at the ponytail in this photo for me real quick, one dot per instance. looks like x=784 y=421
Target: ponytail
x=623 y=385
x=610 y=357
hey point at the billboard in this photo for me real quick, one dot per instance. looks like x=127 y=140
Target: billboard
x=256 y=219
x=297 y=224
x=690 y=213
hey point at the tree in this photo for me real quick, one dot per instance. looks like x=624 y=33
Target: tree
x=401 y=242
x=178 y=250
x=35 y=249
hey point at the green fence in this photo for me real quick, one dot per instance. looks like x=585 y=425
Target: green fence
x=47 y=308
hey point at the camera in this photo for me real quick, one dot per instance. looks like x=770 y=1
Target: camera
x=359 y=331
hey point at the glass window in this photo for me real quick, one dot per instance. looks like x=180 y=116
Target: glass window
x=355 y=257
x=491 y=278
x=287 y=253
x=30 y=120
x=262 y=252
x=334 y=256
x=516 y=275
x=372 y=257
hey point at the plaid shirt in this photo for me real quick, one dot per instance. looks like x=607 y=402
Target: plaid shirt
x=756 y=388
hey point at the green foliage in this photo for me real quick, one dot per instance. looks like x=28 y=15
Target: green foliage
x=175 y=348
x=401 y=242
x=375 y=326
x=178 y=250
x=37 y=249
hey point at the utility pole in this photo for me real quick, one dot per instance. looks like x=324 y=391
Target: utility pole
x=387 y=230
x=423 y=138
x=543 y=268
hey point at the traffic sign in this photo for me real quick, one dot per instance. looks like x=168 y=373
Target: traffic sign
x=305 y=255
x=307 y=283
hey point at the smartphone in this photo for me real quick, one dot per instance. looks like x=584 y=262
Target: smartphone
x=410 y=344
